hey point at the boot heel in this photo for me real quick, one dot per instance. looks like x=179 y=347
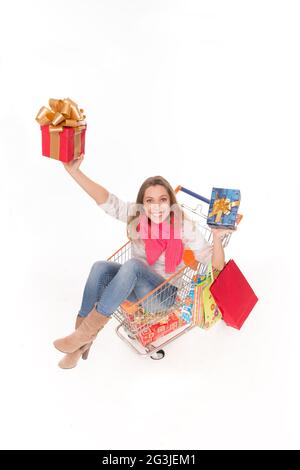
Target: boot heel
x=86 y=353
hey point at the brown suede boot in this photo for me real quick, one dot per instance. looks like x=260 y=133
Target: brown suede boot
x=70 y=360
x=85 y=333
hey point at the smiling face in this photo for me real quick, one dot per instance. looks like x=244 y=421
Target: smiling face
x=156 y=203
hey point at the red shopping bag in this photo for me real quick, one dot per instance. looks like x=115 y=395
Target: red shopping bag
x=233 y=295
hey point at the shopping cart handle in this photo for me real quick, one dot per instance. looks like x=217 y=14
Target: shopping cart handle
x=191 y=193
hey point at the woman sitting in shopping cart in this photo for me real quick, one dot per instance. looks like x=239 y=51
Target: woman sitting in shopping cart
x=160 y=232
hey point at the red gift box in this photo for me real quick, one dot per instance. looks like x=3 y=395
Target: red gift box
x=65 y=145
x=233 y=295
x=140 y=318
x=63 y=129
x=160 y=329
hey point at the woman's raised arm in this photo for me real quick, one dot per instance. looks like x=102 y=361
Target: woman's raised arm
x=95 y=190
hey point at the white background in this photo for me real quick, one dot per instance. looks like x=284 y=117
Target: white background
x=205 y=94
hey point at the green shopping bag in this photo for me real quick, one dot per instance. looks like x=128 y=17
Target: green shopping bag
x=205 y=310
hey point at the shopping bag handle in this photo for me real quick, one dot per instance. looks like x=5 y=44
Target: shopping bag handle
x=209 y=273
x=192 y=193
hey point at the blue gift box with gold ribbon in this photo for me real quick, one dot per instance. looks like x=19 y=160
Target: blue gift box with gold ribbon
x=223 y=208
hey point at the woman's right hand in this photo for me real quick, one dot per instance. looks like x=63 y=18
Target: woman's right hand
x=74 y=164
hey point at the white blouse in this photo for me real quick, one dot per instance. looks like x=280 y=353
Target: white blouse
x=192 y=238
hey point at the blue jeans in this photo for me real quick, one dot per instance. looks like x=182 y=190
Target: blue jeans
x=110 y=283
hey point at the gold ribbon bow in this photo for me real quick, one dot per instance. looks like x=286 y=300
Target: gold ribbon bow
x=62 y=113
x=222 y=206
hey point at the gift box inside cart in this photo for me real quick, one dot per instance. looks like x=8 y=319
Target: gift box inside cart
x=155 y=320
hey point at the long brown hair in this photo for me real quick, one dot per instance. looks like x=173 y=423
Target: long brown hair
x=132 y=220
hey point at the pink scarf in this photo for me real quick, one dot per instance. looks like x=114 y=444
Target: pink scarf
x=159 y=238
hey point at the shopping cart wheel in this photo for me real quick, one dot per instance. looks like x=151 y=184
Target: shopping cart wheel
x=160 y=354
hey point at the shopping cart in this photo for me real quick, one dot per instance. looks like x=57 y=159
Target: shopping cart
x=159 y=307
